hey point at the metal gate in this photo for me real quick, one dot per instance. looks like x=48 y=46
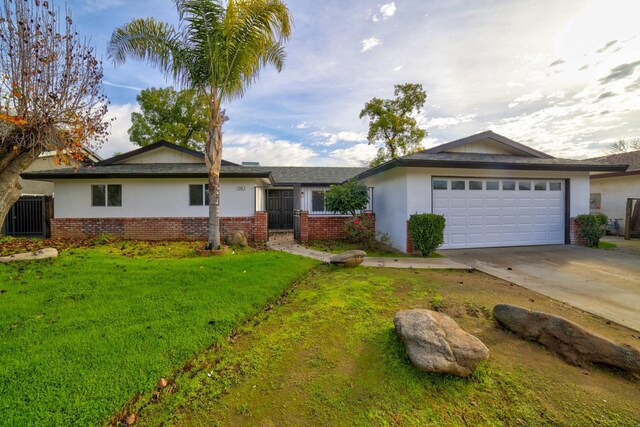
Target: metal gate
x=28 y=217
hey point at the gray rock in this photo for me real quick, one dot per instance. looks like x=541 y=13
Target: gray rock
x=572 y=342
x=348 y=258
x=435 y=343
x=236 y=238
x=31 y=256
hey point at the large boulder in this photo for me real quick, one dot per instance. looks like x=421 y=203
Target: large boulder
x=236 y=238
x=348 y=258
x=572 y=342
x=435 y=343
x=31 y=256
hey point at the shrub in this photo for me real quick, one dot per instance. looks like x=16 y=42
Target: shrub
x=348 y=198
x=361 y=229
x=427 y=232
x=591 y=228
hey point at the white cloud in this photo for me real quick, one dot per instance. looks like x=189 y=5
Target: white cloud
x=398 y=68
x=370 y=43
x=328 y=138
x=445 y=122
x=303 y=125
x=526 y=98
x=388 y=10
x=356 y=155
x=119 y=138
x=266 y=150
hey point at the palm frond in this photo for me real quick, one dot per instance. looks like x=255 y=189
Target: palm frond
x=153 y=41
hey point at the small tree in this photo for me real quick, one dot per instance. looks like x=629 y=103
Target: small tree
x=166 y=114
x=348 y=198
x=392 y=122
x=352 y=198
x=51 y=95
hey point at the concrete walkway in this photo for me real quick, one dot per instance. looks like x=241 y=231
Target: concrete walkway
x=286 y=244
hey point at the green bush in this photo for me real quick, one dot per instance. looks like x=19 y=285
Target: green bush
x=361 y=229
x=348 y=198
x=427 y=232
x=591 y=228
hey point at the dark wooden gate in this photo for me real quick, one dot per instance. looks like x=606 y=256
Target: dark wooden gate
x=280 y=209
x=28 y=217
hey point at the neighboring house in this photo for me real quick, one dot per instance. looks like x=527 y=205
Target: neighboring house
x=160 y=192
x=610 y=191
x=46 y=161
x=492 y=191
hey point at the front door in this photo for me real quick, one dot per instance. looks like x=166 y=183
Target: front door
x=280 y=209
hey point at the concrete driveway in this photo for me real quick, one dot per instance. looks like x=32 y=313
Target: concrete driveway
x=602 y=282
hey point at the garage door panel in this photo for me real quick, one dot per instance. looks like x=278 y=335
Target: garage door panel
x=527 y=215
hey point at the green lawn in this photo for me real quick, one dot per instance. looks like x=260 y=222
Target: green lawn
x=82 y=334
x=329 y=355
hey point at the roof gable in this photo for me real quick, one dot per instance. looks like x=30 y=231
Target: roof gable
x=159 y=152
x=488 y=142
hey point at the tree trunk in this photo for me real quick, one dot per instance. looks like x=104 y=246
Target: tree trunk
x=12 y=164
x=213 y=159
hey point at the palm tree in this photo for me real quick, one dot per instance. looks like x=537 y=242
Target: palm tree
x=215 y=50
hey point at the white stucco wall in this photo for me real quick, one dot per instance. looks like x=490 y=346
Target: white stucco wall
x=614 y=193
x=390 y=204
x=148 y=198
x=401 y=192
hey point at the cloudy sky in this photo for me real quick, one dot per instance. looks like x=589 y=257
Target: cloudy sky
x=561 y=76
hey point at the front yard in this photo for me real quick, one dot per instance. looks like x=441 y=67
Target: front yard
x=330 y=356
x=86 y=337
x=84 y=333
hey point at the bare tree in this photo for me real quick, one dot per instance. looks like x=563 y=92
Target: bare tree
x=623 y=146
x=51 y=95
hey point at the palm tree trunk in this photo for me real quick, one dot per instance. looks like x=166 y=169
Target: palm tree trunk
x=12 y=164
x=213 y=159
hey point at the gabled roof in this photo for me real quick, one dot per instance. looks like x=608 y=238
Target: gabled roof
x=160 y=144
x=310 y=175
x=440 y=157
x=631 y=158
x=148 y=170
x=493 y=137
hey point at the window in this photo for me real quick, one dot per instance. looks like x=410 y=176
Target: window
x=475 y=185
x=439 y=184
x=595 y=201
x=540 y=186
x=524 y=185
x=493 y=185
x=106 y=195
x=458 y=185
x=317 y=201
x=199 y=195
x=508 y=185
x=555 y=186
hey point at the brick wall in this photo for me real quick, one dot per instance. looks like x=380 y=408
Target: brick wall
x=322 y=227
x=410 y=248
x=574 y=233
x=254 y=227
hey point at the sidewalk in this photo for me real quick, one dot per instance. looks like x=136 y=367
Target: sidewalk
x=287 y=245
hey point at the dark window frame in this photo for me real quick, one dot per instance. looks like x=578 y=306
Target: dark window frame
x=315 y=202
x=457 y=181
x=475 y=181
x=204 y=195
x=106 y=196
x=440 y=181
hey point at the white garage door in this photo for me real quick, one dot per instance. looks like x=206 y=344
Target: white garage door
x=499 y=212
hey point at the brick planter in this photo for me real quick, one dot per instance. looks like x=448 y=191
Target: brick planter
x=322 y=227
